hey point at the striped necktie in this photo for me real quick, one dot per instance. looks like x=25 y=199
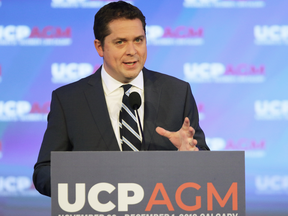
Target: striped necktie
x=129 y=134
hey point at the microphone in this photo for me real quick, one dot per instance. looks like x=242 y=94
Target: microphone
x=135 y=103
x=134 y=100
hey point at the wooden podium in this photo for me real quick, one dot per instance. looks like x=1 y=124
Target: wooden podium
x=152 y=183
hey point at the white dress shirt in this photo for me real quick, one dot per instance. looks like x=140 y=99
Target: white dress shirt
x=114 y=93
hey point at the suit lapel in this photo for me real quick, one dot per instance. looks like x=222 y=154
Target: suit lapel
x=97 y=103
x=152 y=93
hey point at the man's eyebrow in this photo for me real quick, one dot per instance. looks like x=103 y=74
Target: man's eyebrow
x=125 y=39
x=120 y=39
x=140 y=36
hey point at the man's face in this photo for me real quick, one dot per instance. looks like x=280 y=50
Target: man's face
x=125 y=50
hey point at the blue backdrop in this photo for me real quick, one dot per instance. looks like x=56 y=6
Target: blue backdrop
x=232 y=52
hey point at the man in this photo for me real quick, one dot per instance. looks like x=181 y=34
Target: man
x=84 y=115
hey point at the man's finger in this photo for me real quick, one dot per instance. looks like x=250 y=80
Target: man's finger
x=192 y=142
x=186 y=124
x=161 y=131
x=191 y=132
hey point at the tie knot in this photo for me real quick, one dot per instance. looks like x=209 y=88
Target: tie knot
x=126 y=88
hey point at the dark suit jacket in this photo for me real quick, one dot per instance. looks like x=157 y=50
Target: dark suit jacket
x=79 y=119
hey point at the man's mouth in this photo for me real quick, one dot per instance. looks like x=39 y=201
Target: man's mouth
x=130 y=63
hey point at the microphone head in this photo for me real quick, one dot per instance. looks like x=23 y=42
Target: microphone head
x=135 y=100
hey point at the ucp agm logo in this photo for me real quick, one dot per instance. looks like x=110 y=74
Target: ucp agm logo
x=271 y=35
x=70 y=72
x=13 y=35
x=23 y=111
x=224 y=3
x=81 y=3
x=220 y=73
x=179 y=36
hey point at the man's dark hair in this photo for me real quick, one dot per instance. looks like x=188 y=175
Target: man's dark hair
x=113 y=11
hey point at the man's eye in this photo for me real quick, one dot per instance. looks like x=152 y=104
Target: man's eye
x=138 y=40
x=119 y=42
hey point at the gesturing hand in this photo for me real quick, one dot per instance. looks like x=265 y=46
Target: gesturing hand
x=183 y=138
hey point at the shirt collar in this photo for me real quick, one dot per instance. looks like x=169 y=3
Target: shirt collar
x=113 y=84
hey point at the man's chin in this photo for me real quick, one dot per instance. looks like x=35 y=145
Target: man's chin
x=131 y=75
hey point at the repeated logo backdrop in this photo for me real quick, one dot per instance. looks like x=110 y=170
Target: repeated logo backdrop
x=232 y=52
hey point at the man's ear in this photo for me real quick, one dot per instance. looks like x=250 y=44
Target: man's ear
x=98 y=47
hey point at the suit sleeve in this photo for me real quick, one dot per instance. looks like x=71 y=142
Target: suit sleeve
x=191 y=112
x=55 y=139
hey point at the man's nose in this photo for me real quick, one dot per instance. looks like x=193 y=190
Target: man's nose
x=131 y=50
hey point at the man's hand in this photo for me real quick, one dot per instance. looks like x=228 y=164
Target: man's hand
x=183 y=138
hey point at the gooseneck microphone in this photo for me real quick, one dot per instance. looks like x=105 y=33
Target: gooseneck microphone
x=135 y=103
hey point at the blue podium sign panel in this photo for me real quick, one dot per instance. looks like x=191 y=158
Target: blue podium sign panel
x=150 y=183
